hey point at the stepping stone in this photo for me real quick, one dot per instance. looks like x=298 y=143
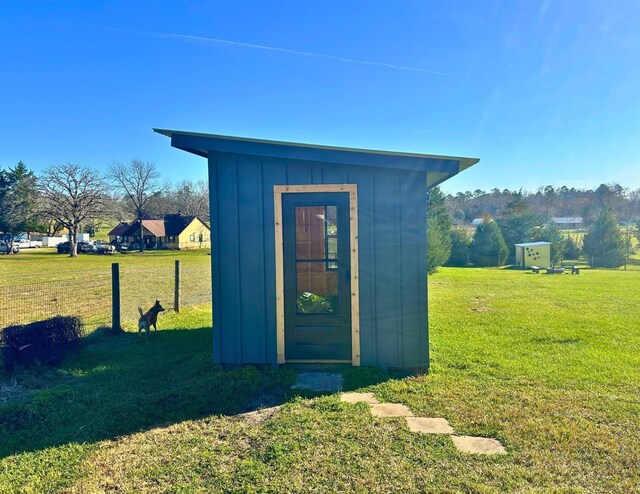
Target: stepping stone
x=429 y=425
x=480 y=445
x=359 y=398
x=390 y=410
x=319 y=381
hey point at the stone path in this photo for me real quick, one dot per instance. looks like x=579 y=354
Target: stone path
x=426 y=425
x=322 y=381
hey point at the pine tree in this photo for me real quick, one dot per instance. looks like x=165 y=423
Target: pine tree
x=438 y=228
x=517 y=222
x=604 y=244
x=18 y=199
x=460 y=243
x=551 y=233
x=573 y=250
x=488 y=247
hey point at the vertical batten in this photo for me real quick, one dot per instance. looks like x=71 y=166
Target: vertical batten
x=215 y=258
x=277 y=219
x=355 y=277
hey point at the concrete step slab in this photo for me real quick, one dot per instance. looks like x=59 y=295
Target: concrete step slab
x=429 y=425
x=478 y=445
x=359 y=398
x=390 y=410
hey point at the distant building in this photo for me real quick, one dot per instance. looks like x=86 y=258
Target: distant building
x=175 y=231
x=533 y=254
x=568 y=222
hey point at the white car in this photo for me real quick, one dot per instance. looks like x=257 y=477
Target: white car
x=103 y=247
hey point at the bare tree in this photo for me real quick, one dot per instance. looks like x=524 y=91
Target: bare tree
x=140 y=184
x=72 y=194
x=192 y=198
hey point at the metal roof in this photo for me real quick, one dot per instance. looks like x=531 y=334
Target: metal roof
x=532 y=244
x=567 y=219
x=441 y=167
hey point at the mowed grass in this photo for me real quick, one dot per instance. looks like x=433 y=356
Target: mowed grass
x=549 y=365
x=39 y=283
x=45 y=264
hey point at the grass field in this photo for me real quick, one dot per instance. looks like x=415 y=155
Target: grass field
x=41 y=283
x=549 y=365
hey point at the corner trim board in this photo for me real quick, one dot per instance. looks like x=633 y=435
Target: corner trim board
x=352 y=190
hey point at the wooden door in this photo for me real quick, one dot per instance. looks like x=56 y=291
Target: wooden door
x=317 y=278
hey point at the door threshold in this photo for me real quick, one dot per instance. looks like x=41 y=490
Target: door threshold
x=316 y=361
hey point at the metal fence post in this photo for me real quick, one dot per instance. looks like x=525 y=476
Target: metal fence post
x=115 y=297
x=176 y=300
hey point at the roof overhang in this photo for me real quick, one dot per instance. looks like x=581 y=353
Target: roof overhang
x=438 y=168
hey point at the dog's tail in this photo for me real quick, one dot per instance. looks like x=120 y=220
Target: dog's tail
x=140 y=310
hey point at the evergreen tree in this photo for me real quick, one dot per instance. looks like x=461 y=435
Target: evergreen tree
x=488 y=247
x=551 y=233
x=604 y=244
x=573 y=250
x=460 y=243
x=517 y=222
x=438 y=230
x=18 y=200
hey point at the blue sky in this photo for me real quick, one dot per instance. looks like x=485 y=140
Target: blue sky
x=543 y=92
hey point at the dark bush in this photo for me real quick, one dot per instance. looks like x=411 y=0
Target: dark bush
x=45 y=341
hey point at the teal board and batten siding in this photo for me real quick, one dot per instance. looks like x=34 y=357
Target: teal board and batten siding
x=392 y=257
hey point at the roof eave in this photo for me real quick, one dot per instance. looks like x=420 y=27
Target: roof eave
x=204 y=144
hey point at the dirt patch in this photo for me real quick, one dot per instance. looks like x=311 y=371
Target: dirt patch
x=479 y=304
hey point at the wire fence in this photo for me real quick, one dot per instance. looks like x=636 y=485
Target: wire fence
x=89 y=296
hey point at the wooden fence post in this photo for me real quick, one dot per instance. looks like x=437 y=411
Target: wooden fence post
x=115 y=297
x=176 y=291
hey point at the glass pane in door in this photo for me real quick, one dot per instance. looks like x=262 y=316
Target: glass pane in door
x=316 y=230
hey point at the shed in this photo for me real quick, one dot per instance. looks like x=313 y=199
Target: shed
x=533 y=254
x=318 y=253
x=568 y=222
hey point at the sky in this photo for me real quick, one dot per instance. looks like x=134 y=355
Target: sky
x=543 y=92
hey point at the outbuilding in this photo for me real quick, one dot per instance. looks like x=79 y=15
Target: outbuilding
x=318 y=253
x=533 y=254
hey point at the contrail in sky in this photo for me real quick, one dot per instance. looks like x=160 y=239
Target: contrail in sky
x=204 y=40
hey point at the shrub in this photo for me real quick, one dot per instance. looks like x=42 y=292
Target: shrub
x=460 y=243
x=438 y=230
x=603 y=244
x=47 y=341
x=488 y=248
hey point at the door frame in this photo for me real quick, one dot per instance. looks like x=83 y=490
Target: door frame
x=352 y=190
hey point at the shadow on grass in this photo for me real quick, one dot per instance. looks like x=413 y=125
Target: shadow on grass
x=120 y=384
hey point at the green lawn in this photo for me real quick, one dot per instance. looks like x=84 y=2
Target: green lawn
x=549 y=365
x=41 y=283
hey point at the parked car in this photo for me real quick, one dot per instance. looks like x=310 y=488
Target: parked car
x=103 y=247
x=86 y=247
x=83 y=247
x=23 y=243
x=4 y=248
x=119 y=246
x=64 y=247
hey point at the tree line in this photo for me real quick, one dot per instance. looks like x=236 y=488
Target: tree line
x=610 y=215
x=548 y=202
x=78 y=198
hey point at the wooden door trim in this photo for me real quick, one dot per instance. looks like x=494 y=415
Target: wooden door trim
x=352 y=189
